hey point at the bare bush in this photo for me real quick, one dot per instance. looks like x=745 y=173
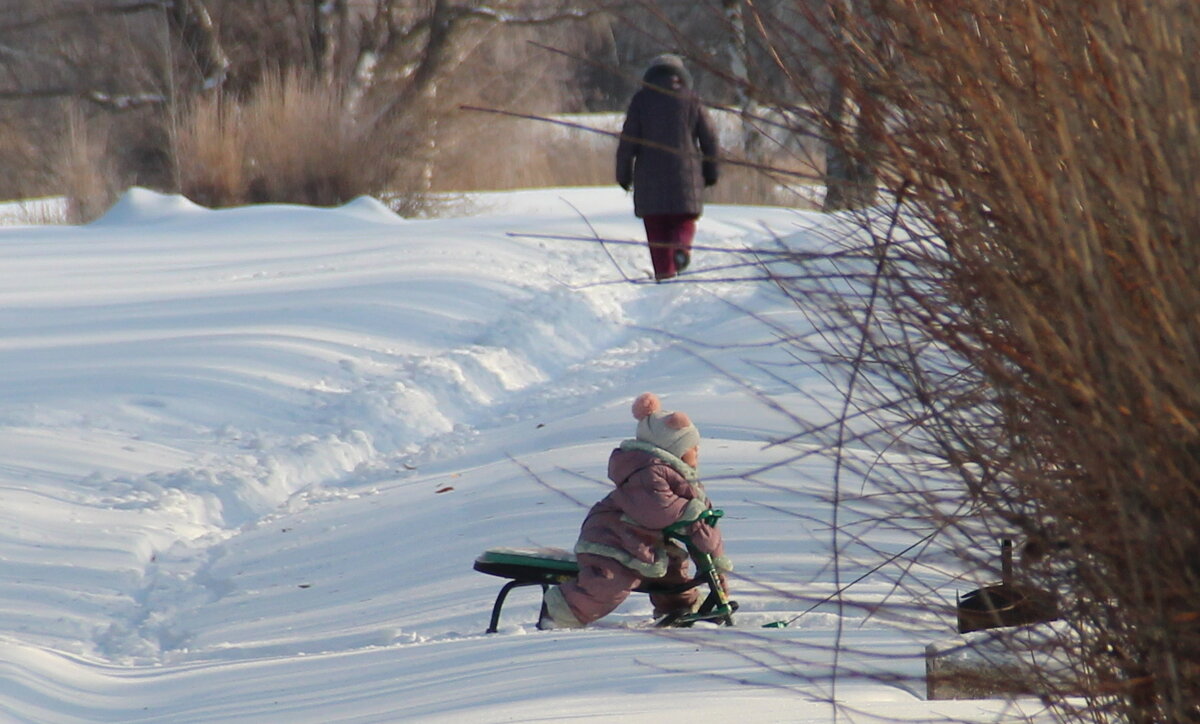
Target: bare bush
x=293 y=140
x=19 y=149
x=1015 y=320
x=85 y=170
x=394 y=66
x=1031 y=318
x=490 y=153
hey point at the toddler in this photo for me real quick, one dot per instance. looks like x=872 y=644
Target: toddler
x=621 y=542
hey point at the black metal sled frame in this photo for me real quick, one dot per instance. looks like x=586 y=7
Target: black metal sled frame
x=550 y=566
x=526 y=567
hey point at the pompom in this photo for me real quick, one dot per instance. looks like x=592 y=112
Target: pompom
x=645 y=405
x=678 y=420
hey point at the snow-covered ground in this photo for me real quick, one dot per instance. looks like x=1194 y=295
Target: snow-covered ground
x=248 y=456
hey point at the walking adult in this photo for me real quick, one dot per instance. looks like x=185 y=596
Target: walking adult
x=667 y=155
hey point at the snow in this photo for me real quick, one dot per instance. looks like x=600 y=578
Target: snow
x=247 y=457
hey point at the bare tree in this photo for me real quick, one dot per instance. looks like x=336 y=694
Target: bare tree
x=103 y=60
x=193 y=24
x=148 y=62
x=55 y=50
x=853 y=117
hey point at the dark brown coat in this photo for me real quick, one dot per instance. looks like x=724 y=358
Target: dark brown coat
x=667 y=152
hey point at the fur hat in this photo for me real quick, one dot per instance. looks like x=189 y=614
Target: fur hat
x=671 y=431
x=665 y=65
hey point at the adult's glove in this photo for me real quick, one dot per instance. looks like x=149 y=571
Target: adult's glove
x=624 y=177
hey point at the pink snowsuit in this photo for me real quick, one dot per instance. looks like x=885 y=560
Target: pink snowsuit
x=621 y=541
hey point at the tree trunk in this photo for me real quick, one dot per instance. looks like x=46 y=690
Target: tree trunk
x=739 y=67
x=850 y=175
x=195 y=26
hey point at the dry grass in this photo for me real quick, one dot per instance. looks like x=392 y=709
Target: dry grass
x=210 y=147
x=1016 y=322
x=28 y=173
x=781 y=178
x=488 y=152
x=1042 y=336
x=34 y=212
x=295 y=140
x=86 y=170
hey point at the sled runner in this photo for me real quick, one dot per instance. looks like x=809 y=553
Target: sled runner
x=548 y=566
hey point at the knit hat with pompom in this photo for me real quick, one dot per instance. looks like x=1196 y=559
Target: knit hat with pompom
x=671 y=431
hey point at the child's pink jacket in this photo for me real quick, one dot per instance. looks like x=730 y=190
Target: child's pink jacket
x=655 y=489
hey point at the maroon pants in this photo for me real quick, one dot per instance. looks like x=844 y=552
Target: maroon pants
x=667 y=234
x=603 y=584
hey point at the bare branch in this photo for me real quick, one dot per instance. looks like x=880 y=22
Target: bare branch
x=194 y=24
x=64 y=12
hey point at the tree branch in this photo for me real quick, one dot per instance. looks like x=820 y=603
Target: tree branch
x=61 y=13
x=195 y=26
x=111 y=101
x=511 y=18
